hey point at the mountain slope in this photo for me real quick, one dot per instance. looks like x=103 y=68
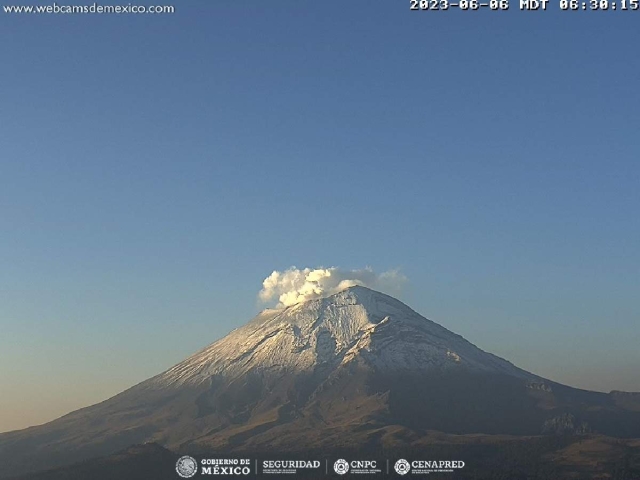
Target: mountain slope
x=357 y=366
x=356 y=322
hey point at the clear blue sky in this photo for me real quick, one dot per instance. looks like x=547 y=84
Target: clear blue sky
x=154 y=169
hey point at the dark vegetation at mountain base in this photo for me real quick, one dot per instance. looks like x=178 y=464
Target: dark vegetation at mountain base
x=486 y=458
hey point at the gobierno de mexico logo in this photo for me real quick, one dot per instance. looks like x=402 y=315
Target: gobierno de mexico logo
x=186 y=466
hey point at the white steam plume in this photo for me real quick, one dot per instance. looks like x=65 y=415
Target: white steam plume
x=294 y=285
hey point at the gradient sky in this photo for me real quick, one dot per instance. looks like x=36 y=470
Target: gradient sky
x=154 y=169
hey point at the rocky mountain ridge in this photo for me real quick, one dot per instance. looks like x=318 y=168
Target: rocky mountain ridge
x=357 y=369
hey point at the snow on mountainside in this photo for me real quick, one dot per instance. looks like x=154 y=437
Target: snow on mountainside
x=356 y=323
x=358 y=368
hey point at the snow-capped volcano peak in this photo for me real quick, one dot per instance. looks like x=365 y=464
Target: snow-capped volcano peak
x=338 y=369
x=356 y=324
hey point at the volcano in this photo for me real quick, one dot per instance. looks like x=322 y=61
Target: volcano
x=358 y=367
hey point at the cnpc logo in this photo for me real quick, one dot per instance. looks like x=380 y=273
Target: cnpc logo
x=341 y=466
x=360 y=464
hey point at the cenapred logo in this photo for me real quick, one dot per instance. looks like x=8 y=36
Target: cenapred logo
x=424 y=467
x=186 y=466
x=341 y=466
x=402 y=467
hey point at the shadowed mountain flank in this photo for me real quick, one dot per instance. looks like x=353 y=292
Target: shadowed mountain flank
x=356 y=368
